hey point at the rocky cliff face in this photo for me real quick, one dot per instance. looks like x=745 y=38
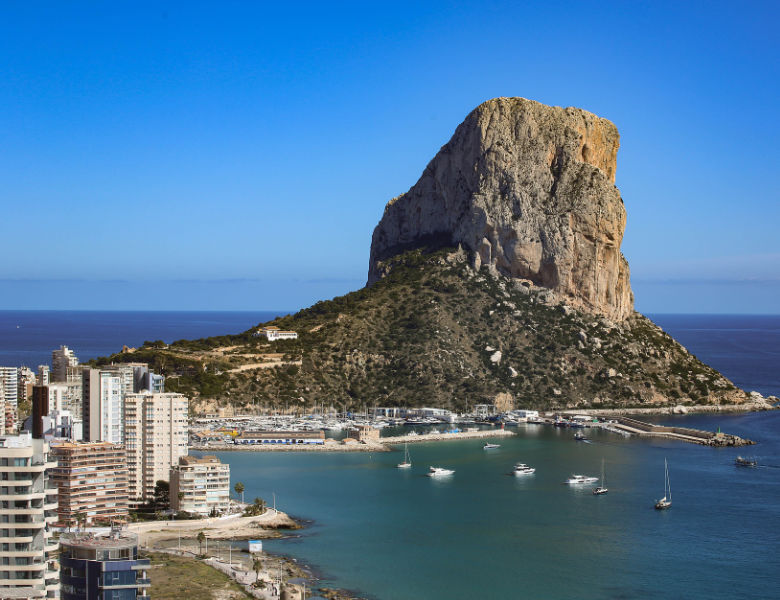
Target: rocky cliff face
x=527 y=190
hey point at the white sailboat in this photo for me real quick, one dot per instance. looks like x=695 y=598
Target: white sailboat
x=602 y=487
x=666 y=501
x=407 y=464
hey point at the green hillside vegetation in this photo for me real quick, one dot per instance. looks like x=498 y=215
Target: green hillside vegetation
x=425 y=335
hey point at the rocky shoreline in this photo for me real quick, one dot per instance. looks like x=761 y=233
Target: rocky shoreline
x=764 y=404
x=167 y=537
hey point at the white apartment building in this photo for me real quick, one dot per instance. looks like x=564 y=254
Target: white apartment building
x=204 y=484
x=28 y=505
x=102 y=406
x=8 y=375
x=61 y=360
x=274 y=333
x=155 y=439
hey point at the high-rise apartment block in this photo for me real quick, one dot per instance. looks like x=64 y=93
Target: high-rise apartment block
x=155 y=439
x=44 y=375
x=103 y=567
x=91 y=480
x=103 y=406
x=28 y=504
x=203 y=483
x=9 y=377
x=61 y=361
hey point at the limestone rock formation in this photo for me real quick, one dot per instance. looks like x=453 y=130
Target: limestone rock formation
x=528 y=190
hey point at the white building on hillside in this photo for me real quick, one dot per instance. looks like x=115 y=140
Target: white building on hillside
x=274 y=333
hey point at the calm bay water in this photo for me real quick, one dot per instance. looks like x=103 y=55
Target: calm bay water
x=395 y=534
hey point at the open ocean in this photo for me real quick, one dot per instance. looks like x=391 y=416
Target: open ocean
x=398 y=535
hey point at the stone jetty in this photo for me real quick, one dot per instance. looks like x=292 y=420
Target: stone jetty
x=683 y=434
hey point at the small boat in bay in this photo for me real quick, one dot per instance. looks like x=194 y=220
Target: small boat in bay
x=580 y=479
x=602 y=487
x=522 y=469
x=666 y=501
x=489 y=446
x=439 y=472
x=745 y=462
x=407 y=464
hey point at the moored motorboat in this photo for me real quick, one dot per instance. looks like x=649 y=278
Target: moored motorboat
x=580 y=479
x=522 y=469
x=489 y=446
x=439 y=472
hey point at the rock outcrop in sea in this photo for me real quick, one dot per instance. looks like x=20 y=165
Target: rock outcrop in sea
x=528 y=190
x=497 y=278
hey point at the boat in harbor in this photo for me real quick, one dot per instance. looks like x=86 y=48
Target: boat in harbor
x=602 y=487
x=407 y=464
x=489 y=446
x=745 y=462
x=580 y=437
x=439 y=472
x=581 y=479
x=522 y=469
x=666 y=501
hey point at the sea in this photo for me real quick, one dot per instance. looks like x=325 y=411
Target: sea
x=392 y=534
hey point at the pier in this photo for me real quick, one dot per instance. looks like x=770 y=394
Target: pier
x=682 y=434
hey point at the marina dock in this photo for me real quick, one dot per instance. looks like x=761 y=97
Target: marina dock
x=330 y=445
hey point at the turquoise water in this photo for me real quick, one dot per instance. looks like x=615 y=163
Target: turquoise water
x=394 y=534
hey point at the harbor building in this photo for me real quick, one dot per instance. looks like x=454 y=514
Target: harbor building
x=91 y=479
x=281 y=437
x=61 y=360
x=364 y=433
x=103 y=567
x=274 y=333
x=28 y=504
x=203 y=483
x=102 y=407
x=155 y=439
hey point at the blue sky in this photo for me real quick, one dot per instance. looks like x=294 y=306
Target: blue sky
x=238 y=155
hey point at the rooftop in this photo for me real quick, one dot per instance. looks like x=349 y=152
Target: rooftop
x=89 y=540
x=203 y=460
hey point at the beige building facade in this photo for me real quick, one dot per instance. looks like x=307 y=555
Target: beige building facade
x=203 y=484
x=155 y=439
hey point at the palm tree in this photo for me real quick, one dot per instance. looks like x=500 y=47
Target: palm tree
x=239 y=487
x=201 y=538
x=81 y=519
x=257 y=566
